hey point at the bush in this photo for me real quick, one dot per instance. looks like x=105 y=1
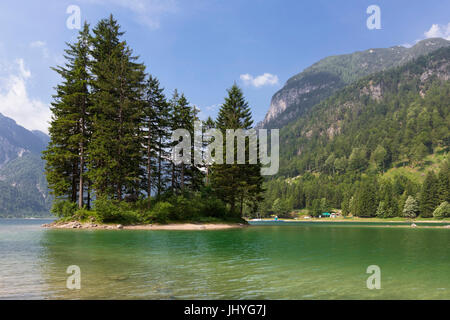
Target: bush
x=184 y=208
x=83 y=214
x=64 y=208
x=442 y=211
x=111 y=211
x=106 y=210
x=213 y=207
x=160 y=213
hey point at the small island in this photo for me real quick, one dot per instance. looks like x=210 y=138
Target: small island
x=123 y=154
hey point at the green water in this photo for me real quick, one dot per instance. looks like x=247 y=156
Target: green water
x=260 y=262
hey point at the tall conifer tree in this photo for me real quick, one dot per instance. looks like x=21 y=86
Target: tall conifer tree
x=70 y=126
x=115 y=150
x=236 y=183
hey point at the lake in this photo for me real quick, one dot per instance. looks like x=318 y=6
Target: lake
x=303 y=261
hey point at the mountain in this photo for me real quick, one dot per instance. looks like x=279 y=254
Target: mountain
x=15 y=140
x=327 y=76
x=371 y=144
x=23 y=187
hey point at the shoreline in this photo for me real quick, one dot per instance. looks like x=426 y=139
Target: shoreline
x=372 y=223
x=171 y=226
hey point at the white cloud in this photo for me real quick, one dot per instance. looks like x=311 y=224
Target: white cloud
x=213 y=107
x=42 y=46
x=148 y=12
x=438 y=31
x=15 y=103
x=435 y=31
x=259 y=81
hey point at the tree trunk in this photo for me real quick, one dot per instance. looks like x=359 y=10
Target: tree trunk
x=89 y=195
x=149 y=168
x=159 y=167
x=242 y=205
x=182 y=177
x=74 y=183
x=173 y=178
x=81 y=188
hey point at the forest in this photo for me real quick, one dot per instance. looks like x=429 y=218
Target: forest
x=110 y=157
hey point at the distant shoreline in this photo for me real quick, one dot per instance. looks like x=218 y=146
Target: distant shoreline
x=172 y=226
x=366 y=221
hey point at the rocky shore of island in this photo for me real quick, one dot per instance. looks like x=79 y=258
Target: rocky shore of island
x=171 y=226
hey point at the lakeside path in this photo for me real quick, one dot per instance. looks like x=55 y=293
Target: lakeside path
x=172 y=226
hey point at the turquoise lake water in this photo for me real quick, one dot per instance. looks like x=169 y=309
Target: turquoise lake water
x=303 y=261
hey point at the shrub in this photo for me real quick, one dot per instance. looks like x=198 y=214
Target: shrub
x=112 y=211
x=64 y=208
x=160 y=213
x=213 y=207
x=184 y=208
x=106 y=210
x=83 y=214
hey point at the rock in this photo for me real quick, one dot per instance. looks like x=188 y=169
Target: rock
x=119 y=226
x=413 y=225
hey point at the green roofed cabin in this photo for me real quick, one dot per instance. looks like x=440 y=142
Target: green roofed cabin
x=326 y=214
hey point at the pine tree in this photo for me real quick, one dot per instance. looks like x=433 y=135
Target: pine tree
x=207 y=125
x=381 y=211
x=379 y=157
x=154 y=102
x=236 y=183
x=389 y=200
x=70 y=126
x=115 y=149
x=161 y=130
x=183 y=117
x=366 y=202
x=444 y=182
x=429 y=198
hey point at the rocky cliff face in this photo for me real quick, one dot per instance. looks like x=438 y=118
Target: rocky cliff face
x=325 y=77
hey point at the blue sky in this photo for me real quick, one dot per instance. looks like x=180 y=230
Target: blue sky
x=202 y=46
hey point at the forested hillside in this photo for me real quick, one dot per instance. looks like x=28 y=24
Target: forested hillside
x=23 y=188
x=371 y=145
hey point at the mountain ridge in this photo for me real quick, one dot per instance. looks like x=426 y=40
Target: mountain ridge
x=325 y=77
